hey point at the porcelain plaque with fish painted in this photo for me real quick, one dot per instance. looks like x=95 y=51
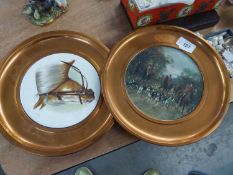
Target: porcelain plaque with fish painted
x=59 y=84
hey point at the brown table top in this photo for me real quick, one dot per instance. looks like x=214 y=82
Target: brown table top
x=103 y=20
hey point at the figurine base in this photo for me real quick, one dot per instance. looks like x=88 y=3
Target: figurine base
x=43 y=13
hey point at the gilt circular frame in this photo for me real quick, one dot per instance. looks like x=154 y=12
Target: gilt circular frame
x=33 y=136
x=200 y=122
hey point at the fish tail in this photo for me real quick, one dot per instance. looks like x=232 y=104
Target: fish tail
x=40 y=103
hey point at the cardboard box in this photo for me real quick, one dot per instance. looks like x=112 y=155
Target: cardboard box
x=147 y=12
x=229 y=65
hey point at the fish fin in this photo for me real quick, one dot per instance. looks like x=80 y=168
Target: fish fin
x=71 y=62
x=40 y=103
x=66 y=66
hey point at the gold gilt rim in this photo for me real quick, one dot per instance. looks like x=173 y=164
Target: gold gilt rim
x=14 y=122
x=206 y=117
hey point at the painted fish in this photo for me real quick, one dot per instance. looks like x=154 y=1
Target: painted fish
x=55 y=87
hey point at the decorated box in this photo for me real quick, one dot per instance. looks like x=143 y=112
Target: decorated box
x=147 y=12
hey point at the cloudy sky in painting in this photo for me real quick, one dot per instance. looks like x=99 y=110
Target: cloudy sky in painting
x=180 y=60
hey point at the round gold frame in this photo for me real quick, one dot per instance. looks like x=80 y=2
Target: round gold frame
x=196 y=125
x=14 y=122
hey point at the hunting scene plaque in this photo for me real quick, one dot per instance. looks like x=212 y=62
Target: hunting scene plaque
x=166 y=85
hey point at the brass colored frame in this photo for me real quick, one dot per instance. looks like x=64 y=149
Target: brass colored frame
x=14 y=122
x=196 y=125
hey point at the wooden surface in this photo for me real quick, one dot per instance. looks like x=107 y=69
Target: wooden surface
x=102 y=19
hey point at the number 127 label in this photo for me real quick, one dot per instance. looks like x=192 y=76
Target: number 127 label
x=186 y=45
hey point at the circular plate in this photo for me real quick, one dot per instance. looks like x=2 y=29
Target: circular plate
x=51 y=101
x=161 y=93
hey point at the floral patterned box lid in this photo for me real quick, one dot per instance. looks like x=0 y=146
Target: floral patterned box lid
x=148 y=12
x=144 y=5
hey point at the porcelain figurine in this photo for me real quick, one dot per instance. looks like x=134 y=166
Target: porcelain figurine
x=42 y=12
